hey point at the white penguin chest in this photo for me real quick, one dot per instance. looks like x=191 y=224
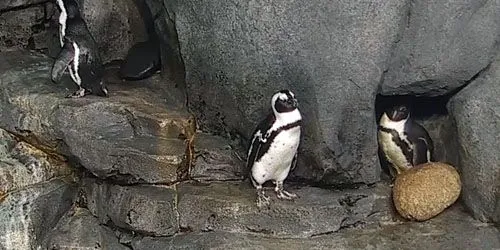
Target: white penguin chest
x=276 y=162
x=62 y=22
x=393 y=151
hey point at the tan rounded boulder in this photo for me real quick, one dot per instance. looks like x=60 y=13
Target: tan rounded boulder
x=424 y=191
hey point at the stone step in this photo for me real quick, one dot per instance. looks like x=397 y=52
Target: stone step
x=453 y=229
x=79 y=229
x=27 y=214
x=230 y=206
x=134 y=136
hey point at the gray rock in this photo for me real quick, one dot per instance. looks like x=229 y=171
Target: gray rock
x=331 y=55
x=443 y=133
x=444 y=44
x=476 y=113
x=22 y=165
x=149 y=210
x=28 y=214
x=78 y=229
x=217 y=160
x=231 y=207
x=133 y=136
x=16 y=27
x=116 y=25
x=6 y=5
x=450 y=230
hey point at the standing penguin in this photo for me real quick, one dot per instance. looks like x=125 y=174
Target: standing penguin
x=273 y=151
x=404 y=142
x=79 y=53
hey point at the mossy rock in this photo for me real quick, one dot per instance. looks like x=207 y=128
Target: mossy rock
x=424 y=191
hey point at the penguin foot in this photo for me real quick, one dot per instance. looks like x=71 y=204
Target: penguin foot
x=282 y=194
x=79 y=93
x=262 y=199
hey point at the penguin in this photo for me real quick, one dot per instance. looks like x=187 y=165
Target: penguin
x=79 y=53
x=404 y=142
x=273 y=149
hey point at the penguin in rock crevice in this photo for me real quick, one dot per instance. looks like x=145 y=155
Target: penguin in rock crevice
x=403 y=142
x=273 y=150
x=79 y=53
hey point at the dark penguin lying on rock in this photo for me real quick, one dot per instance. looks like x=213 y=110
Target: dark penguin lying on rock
x=79 y=53
x=144 y=58
x=403 y=142
x=273 y=150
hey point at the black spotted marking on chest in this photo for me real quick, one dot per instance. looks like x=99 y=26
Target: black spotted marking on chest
x=260 y=148
x=403 y=145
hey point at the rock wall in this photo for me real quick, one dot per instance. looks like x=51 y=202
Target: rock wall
x=476 y=112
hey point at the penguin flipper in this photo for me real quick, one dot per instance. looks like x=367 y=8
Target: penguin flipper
x=294 y=162
x=422 y=151
x=64 y=58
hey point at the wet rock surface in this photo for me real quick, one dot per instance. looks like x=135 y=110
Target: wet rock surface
x=450 y=230
x=133 y=136
x=476 y=112
x=231 y=207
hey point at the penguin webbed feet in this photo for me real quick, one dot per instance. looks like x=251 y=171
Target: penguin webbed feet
x=281 y=193
x=79 y=93
x=262 y=199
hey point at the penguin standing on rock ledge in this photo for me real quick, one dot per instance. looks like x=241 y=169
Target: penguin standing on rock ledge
x=273 y=151
x=404 y=142
x=79 y=53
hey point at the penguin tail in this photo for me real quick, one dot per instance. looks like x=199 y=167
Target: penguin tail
x=100 y=90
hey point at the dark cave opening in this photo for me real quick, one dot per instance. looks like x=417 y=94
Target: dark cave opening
x=432 y=114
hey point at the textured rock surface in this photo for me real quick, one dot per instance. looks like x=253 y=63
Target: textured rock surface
x=116 y=25
x=450 y=230
x=443 y=134
x=133 y=136
x=231 y=207
x=17 y=27
x=28 y=214
x=150 y=210
x=331 y=56
x=11 y=4
x=216 y=159
x=22 y=165
x=424 y=191
x=444 y=44
x=78 y=229
x=476 y=112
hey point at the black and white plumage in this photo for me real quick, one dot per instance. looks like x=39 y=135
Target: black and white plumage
x=404 y=142
x=79 y=53
x=273 y=150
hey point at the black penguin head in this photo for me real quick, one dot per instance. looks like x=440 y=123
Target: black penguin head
x=71 y=7
x=398 y=113
x=284 y=101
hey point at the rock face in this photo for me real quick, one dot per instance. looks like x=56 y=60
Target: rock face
x=476 y=112
x=450 y=230
x=150 y=210
x=116 y=26
x=333 y=59
x=17 y=27
x=217 y=160
x=424 y=191
x=79 y=229
x=439 y=49
x=28 y=214
x=231 y=207
x=132 y=137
